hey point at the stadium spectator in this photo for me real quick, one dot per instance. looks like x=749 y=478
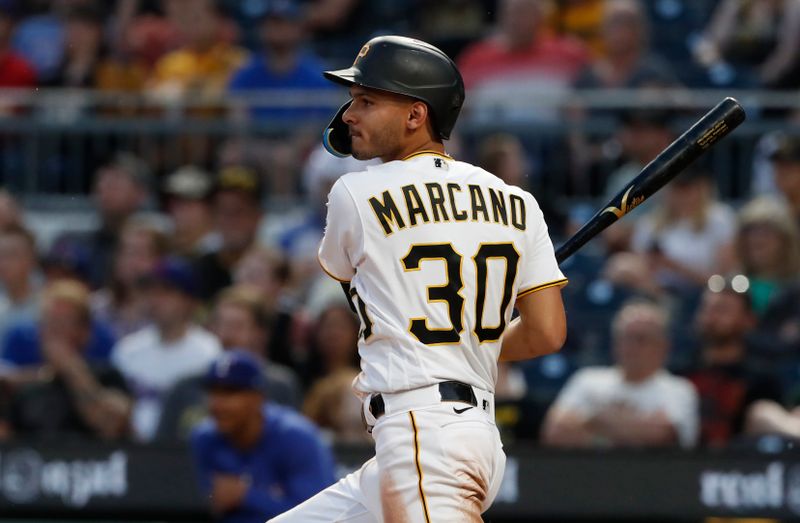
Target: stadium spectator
x=61 y=308
x=332 y=15
x=188 y=202
x=267 y=271
x=642 y=134
x=39 y=34
x=15 y=71
x=174 y=347
x=582 y=19
x=630 y=270
x=277 y=159
x=520 y=62
x=752 y=42
x=627 y=61
x=69 y=394
x=336 y=410
x=139 y=33
x=785 y=160
x=201 y=68
x=89 y=60
x=237 y=214
x=67 y=259
x=284 y=65
x=121 y=187
x=675 y=26
x=254 y=459
x=637 y=402
x=605 y=165
x=84 y=47
x=767 y=249
x=339 y=27
x=298 y=236
x=775 y=344
x=20 y=284
x=504 y=156
x=450 y=24
x=10 y=211
x=726 y=386
x=333 y=343
x=241 y=323
x=688 y=235
x=767 y=417
x=121 y=304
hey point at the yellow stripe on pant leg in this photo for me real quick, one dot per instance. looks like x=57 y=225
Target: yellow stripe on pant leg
x=419 y=467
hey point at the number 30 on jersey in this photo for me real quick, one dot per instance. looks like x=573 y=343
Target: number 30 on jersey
x=450 y=292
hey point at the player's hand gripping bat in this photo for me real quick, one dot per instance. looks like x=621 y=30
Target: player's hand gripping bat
x=712 y=127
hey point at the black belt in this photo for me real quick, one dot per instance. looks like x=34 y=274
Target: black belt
x=450 y=391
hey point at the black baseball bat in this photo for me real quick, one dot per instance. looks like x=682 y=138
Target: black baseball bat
x=688 y=147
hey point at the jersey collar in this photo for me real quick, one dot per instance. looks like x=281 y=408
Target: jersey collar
x=428 y=153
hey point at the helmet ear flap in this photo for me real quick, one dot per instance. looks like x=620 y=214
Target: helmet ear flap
x=336 y=138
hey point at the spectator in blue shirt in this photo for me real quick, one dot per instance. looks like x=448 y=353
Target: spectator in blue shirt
x=255 y=460
x=21 y=346
x=284 y=65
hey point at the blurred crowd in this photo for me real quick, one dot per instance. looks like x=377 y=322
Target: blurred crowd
x=194 y=309
x=204 y=48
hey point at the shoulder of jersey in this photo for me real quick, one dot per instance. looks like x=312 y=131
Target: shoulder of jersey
x=354 y=176
x=473 y=173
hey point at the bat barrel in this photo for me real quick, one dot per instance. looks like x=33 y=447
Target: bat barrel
x=708 y=130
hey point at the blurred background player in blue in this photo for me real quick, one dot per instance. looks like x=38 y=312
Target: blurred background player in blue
x=254 y=459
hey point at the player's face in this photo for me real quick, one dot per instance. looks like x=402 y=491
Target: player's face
x=233 y=409
x=377 y=123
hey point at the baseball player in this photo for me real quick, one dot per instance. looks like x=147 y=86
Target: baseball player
x=434 y=254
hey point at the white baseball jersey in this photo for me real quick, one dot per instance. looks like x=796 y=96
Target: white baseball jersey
x=436 y=252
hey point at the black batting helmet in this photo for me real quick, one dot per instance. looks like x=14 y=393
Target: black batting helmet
x=404 y=66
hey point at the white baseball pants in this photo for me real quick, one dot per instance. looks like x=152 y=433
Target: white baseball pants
x=434 y=462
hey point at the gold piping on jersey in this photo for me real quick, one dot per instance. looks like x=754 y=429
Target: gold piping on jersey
x=329 y=273
x=505 y=275
x=419 y=467
x=556 y=283
x=427 y=151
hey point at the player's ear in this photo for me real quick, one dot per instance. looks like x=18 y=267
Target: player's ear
x=417 y=115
